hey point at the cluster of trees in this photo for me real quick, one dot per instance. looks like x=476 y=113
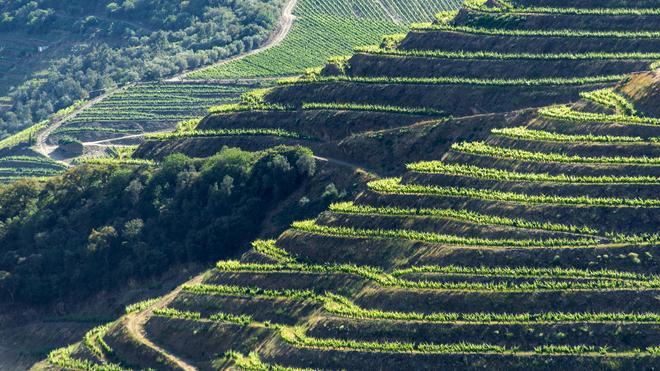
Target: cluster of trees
x=126 y=41
x=98 y=226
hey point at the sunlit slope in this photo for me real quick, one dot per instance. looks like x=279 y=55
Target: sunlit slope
x=327 y=28
x=519 y=231
x=534 y=248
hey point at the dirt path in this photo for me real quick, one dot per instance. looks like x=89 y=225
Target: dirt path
x=135 y=325
x=283 y=29
x=106 y=141
x=340 y=163
x=42 y=147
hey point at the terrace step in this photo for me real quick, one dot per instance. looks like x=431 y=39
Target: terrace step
x=437 y=225
x=590 y=4
x=453 y=99
x=208 y=146
x=287 y=355
x=554 y=168
x=625 y=258
x=593 y=190
x=391 y=254
x=473 y=42
x=318 y=249
x=317 y=282
x=203 y=342
x=427 y=301
x=322 y=124
x=282 y=311
x=525 y=335
x=374 y=65
x=630 y=220
x=594 y=128
x=578 y=149
x=538 y=21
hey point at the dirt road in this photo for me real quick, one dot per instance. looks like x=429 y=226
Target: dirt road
x=135 y=325
x=42 y=147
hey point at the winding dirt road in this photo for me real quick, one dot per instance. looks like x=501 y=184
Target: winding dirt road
x=135 y=325
x=42 y=147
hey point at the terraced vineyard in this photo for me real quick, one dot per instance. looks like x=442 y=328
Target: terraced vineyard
x=331 y=28
x=519 y=231
x=148 y=107
x=17 y=167
x=326 y=28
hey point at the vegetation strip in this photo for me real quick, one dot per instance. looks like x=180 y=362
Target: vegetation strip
x=9 y=172
x=523 y=133
x=196 y=316
x=342 y=306
x=538 y=33
x=481 y=148
x=242 y=107
x=62 y=358
x=270 y=249
x=114 y=161
x=140 y=306
x=506 y=7
x=439 y=167
x=610 y=99
x=377 y=50
x=466 y=215
x=252 y=362
x=373 y=108
x=394 y=186
x=33 y=160
x=452 y=80
x=84 y=129
x=93 y=341
x=481 y=6
x=532 y=272
x=224 y=133
x=599 y=279
x=566 y=113
x=310 y=226
x=296 y=336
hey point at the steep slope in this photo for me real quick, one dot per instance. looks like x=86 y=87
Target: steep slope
x=517 y=232
x=324 y=28
x=319 y=29
x=445 y=69
x=534 y=248
x=55 y=53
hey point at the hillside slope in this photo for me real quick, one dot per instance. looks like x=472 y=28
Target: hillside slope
x=516 y=228
x=120 y=116
x=55 y=53
x=323 y=29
